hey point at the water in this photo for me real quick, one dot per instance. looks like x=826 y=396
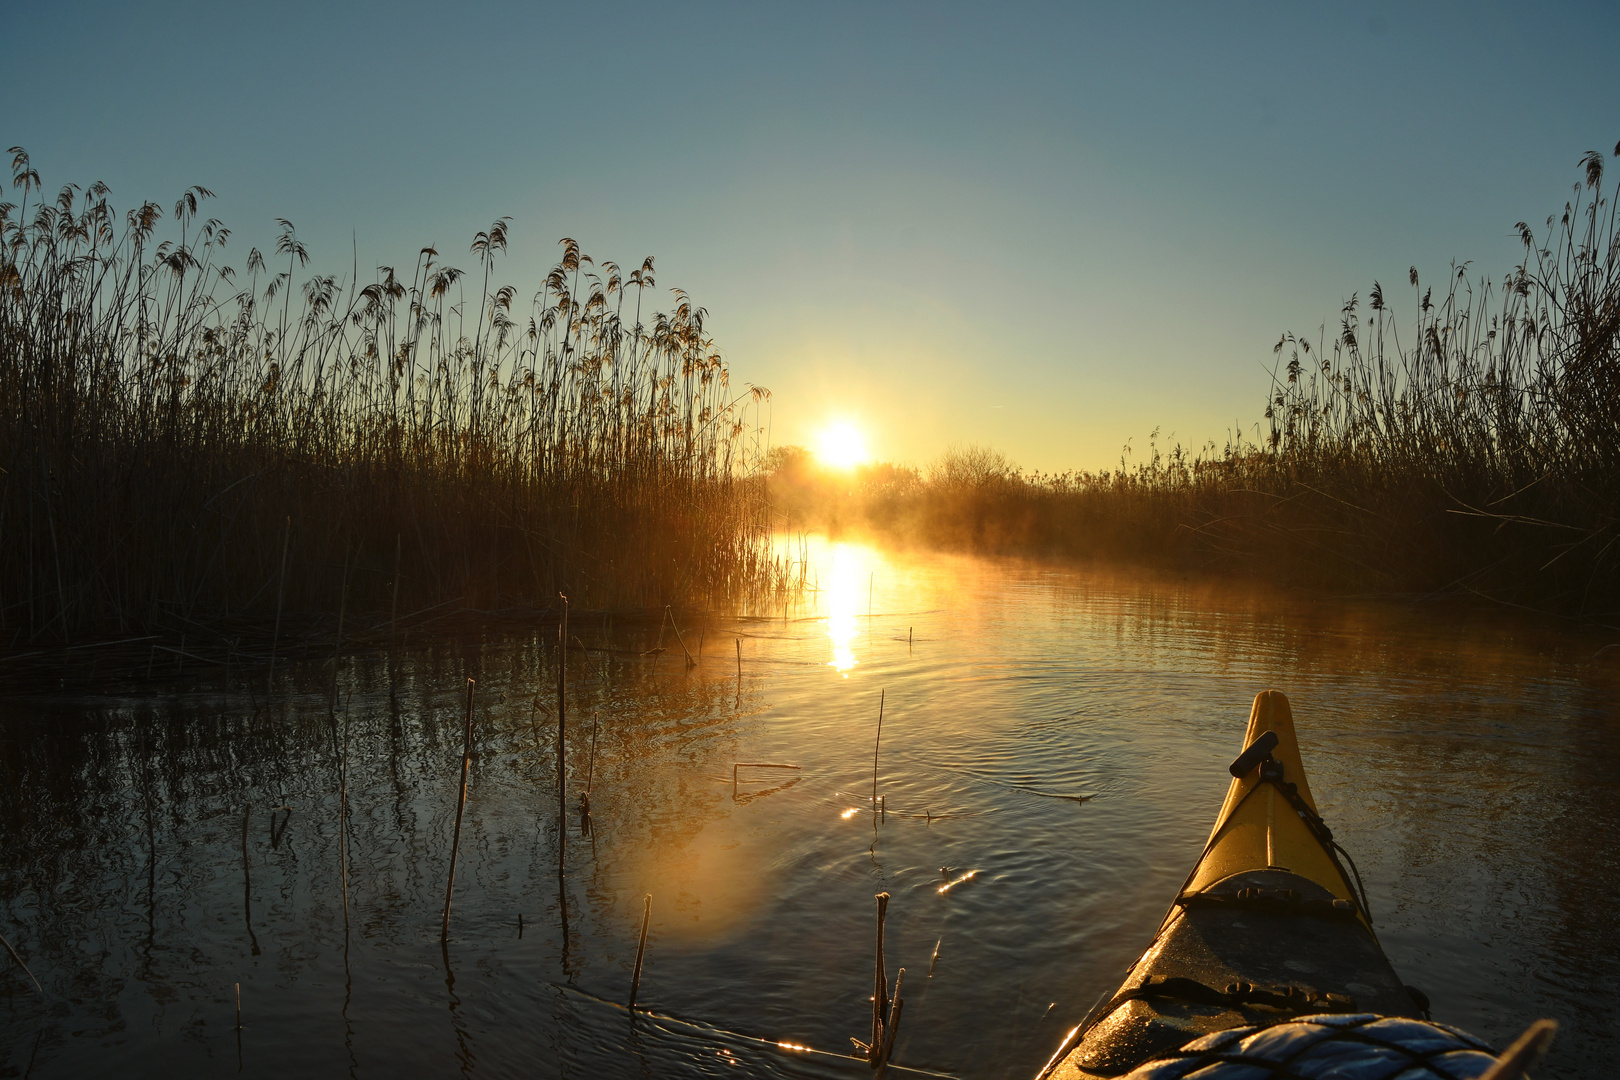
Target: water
x=1467 y=760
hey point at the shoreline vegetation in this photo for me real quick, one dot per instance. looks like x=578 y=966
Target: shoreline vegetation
x=232 y=456
x=1470 y=446
x=221 y=463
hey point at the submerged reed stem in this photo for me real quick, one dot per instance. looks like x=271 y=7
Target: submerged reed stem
x=641 y=951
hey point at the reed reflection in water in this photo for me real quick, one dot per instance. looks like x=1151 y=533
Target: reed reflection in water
x=1466 y=760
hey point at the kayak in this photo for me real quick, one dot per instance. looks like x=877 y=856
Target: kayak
x=1269 y=941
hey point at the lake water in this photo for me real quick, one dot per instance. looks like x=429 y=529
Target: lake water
x=1468 y=760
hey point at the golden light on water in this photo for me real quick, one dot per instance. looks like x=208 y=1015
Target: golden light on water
x=841 y=446
x=846 y=593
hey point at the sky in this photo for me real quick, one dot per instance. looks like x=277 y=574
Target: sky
x=1046 y=229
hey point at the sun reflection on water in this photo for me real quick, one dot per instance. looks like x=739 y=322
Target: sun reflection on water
x=843 y=604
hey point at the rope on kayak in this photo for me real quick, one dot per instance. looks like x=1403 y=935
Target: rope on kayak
x=1271 y=772
x=1360 y=888
x=1345 y=1047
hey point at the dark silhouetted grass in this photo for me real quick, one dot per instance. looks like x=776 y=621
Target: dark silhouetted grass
x=188 y=444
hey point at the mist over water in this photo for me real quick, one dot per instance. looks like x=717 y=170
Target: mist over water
x=1053 y=755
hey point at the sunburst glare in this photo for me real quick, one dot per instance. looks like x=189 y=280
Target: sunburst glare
x=841 y=445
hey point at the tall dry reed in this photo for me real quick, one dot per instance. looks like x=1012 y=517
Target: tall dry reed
x=163 y=415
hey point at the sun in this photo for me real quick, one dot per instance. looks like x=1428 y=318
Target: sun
x=841 y=446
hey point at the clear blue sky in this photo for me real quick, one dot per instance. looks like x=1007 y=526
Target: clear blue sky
x=1047 y=229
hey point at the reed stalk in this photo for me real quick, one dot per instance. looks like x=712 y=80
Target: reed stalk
x=562 y=739
x=461 y=804
x=393 y=611
x=20 y=963
x=343 y=821
x=641 y=951
x=247 y=882
x=877 y=743
x=891 y=1027
x=281 y=593
x=880 y=984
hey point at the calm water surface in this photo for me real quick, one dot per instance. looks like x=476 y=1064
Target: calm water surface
x=1468 y=761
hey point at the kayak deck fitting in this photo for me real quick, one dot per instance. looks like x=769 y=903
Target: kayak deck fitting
x=1268 y=926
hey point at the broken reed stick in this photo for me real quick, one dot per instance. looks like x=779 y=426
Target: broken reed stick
x=881 y=1060
x=1526 y=1050
x=882 y=694
x=247 y=883
x=590 y=775
x=739 y=660
x=238 y=1006
x=671 y=616
x=641 y=951
x=753 y=765
x=880 y=983
x=281 y=594
x=590 y=766
x=461 y=803
x=932 y=960
x=246 y=817
x=20 y=963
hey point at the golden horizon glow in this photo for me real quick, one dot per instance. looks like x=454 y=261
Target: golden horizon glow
x=841 y=445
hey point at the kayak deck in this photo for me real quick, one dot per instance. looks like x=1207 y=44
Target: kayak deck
x=1267 y=928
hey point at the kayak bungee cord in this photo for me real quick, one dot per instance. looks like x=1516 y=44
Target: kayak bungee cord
x=1258 y=755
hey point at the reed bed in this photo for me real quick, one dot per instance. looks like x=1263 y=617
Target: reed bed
x=1470 y=445
x=189 y=444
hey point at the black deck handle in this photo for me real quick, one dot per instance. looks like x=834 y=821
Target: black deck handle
x=1254 y=754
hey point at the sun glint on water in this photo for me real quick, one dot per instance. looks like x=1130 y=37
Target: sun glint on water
x=843 y=604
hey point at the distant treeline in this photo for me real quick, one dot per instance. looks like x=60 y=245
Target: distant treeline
x=182 y=449
x=1471 y=446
